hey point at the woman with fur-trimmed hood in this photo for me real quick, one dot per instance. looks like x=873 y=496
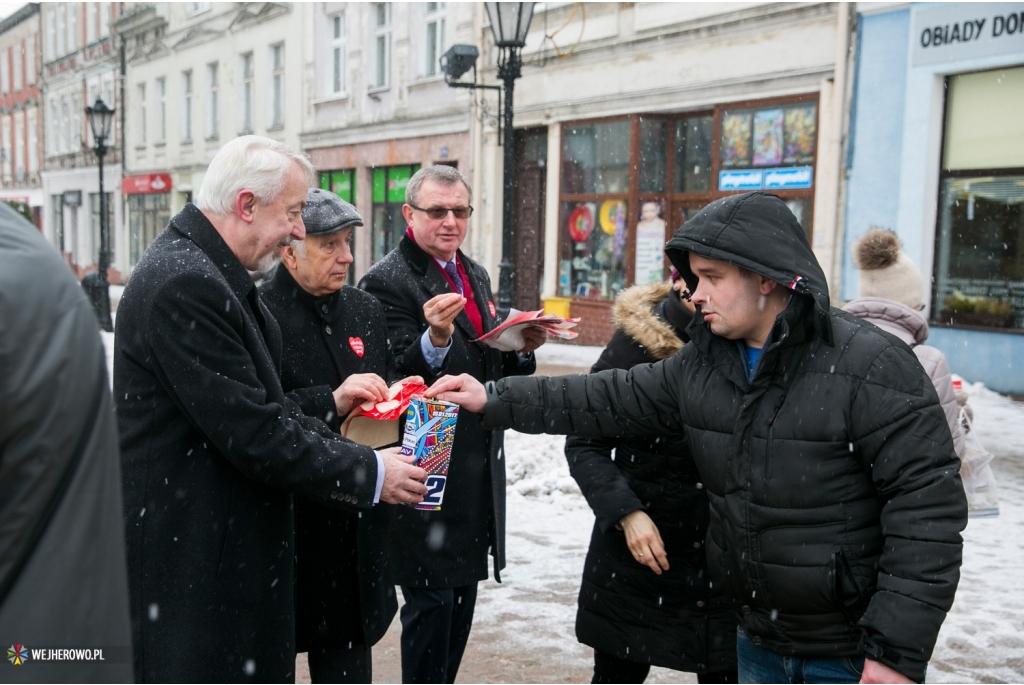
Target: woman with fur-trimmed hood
x=890 y=295
x=635 y=615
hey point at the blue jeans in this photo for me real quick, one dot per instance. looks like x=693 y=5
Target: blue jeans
x=760 y=665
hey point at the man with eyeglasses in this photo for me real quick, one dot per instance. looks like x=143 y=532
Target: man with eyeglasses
x=437 y=301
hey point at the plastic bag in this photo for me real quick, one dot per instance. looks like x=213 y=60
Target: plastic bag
x=977 y=475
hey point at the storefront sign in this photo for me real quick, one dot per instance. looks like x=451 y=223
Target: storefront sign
x=789 y=178
x=748 y=179
x=958 y=31
x=146 y=183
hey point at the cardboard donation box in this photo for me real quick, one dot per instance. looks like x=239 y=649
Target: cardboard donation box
x=429 y=435
x=376 y=423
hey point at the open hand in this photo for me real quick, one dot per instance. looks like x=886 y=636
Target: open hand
x=644 y=540
x=359 y=388
x=403 y=482
x=440 y=313
x=463 y=390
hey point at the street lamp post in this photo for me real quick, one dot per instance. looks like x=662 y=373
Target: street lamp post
x=101 y=117
x=510 y=22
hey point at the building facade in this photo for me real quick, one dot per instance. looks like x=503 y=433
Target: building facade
x=20 y=120
x=197 y=75
x=630 y=117
x=81 y=63
x=377 y=108
x=936 y=153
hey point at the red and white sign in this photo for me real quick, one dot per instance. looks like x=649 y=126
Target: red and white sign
x=146 y=183
x=357 y=346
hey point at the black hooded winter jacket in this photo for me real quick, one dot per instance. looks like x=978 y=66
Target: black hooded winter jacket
x=836 y=501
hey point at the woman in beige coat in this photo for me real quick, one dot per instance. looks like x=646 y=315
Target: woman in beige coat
x=891 y=296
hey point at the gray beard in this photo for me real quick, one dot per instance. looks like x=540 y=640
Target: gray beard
x=273 y=258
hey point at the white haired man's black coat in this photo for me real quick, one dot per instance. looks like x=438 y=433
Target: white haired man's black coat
x=344 y=590
x=212 y=451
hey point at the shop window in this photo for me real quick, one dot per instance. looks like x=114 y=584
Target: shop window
x=342 y=183
x=692 y=173
x=653 y=155
x=57 y=214
x=388 y=197
x=979 y=252
x=594 y=266
x=595 y=158
x=148 y=214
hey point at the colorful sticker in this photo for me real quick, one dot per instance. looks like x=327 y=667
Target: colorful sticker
x=357 y=346
x=581 y=223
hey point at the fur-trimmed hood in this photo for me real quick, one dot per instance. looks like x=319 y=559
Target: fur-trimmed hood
x=635 y=314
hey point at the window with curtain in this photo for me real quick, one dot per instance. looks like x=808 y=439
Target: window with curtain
x=979 y=251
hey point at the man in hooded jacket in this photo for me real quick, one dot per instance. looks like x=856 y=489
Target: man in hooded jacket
x=836 y=501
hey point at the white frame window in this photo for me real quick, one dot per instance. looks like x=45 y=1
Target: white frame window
x=336 y=74
x=5 y=141
x=18 y=61
x=245 y=95
x=54 y=127
x=73 y=26
x=51 y=32
x=104 y=27
x=186 y=106
x=30 y=59
x=77 y=113
x=20 y=165
x=33 y=141
x=275 y=113
x=140 y=113
x=434 y=43
x=212 y=101
x=62 y=27
x=161 y=110
x=381 y=45
x=91 y=22
x=5 y=86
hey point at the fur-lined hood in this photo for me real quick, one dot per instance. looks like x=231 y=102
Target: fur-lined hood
x=634 y=313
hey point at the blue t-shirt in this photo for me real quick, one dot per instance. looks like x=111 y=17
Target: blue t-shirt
x=751 y=354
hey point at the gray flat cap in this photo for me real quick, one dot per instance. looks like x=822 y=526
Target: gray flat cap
x=326 y=213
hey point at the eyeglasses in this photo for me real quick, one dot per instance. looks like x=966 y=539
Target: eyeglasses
x=437 y=213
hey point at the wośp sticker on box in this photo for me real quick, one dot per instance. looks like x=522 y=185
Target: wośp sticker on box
x=429 y=435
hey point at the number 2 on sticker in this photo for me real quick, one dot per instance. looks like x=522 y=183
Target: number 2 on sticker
x=435 y=490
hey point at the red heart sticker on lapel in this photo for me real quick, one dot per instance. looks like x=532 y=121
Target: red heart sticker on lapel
x=494 y=312
x=357 y=345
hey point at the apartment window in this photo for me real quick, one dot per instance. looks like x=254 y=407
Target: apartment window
x=62 y=28
x=33 y=141
x=72 y=27
x=337 y=75
x=19 y=147
x=161 y=110
x=212 y=102
x=104 y=27
x=30 y=60
x=140 y=113
x=18 y=52
x=434 y=45
x=77 y=111
x=276 y=86
x=382 y=44
x=5 y=82
x=5 y=152
x=91 y=22
x=246 y=95
x=194 y=8
x=65 y=126
x=51 y=32
x=186 y=106
x=54 y=128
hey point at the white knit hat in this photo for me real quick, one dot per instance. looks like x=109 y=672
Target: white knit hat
x=885 y=270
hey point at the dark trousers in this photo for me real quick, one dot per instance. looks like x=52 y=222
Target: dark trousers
x=435 y=629
x=609 y=668
x=340 y=664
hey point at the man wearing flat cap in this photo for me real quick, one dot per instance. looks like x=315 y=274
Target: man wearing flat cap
x=334 y=357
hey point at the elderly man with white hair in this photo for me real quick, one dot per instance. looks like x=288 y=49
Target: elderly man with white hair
x=212 y=449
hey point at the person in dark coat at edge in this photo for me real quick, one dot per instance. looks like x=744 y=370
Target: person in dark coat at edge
x=637 y=610
x=437 y=301
x=334 y=338
x=62 y=561
x=212 y=449
x=835 y=495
